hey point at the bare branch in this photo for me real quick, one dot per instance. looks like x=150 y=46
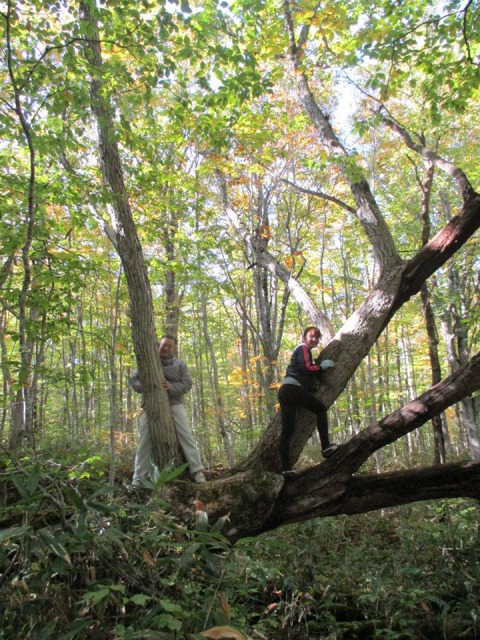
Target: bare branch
x=320 y=194
x=464 y=31
x=267 y=260
x=446 y=166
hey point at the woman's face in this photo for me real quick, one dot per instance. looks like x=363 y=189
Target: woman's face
x=312 y=338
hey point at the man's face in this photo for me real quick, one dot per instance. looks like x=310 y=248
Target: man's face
x=166 y=348
x=312 y=338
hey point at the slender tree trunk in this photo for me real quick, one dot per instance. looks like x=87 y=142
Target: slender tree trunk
x=172 y=296
x=218 y=401
x=6 y=399
x=35 y=400
x=86 y=421
x=128 y=417
x=199 y=391
x=113 y=395
x=77 y=422
x=430 y=325
x=429 y=316
x=164 y=442
x=21 y=414
x=246 y=377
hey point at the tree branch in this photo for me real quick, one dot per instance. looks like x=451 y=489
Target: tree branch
x=323 y=196
x=267 y=260
x=303 y=499
x=368 y=211
x=460 y=384
x=446 y=166
x=455 y=480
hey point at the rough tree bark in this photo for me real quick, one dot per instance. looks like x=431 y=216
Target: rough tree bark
x=127 y=243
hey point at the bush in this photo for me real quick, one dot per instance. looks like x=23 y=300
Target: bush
x=80 y=559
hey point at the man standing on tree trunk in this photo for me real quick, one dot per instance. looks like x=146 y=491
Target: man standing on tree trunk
x=177 y=382
x=296 y=390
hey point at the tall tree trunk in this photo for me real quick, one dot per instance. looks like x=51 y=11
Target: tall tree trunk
x=438 y=421
x=172 y=296
x=21 y=415
x=431 y=328
x=113 y=395
x=7 y=397
x=164 y=443
x=128 y=415
x=219 y=410
x=246 y=378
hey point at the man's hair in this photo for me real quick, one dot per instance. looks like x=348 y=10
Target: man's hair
x=316 y=329
x=168 y=337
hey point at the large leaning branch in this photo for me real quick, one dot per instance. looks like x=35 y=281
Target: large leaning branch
x=368 y=211
x=362 y=494
x=448 y=167
x=454 y=480
x=460 y=384
x=255 y=501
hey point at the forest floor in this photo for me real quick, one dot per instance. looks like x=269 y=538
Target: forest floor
x=78 y=559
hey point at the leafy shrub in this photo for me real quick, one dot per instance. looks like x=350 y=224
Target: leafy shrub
x=81 y=559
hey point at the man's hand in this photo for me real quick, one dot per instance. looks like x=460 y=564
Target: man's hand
x=166 y=384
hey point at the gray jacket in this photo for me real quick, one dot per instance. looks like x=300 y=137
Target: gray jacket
x=176 y=373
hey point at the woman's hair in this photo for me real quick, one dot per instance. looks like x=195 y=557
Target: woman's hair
x=316 y=329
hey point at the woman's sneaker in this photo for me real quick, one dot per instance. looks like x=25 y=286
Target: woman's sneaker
x=326 y=453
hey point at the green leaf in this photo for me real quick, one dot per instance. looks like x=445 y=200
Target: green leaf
x=33 y=478
x=168 y=605
x=96 y=597
x=140 y=598
x=166 y=621
x=54 y=545
x=13 y=532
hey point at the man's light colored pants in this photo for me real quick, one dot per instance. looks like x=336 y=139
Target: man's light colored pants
x=143 y=455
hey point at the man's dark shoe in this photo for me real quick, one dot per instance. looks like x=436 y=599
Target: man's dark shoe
x=289 y=474
x=328 y=451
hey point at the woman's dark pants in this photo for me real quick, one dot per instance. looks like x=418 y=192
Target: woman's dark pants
x=293 y=397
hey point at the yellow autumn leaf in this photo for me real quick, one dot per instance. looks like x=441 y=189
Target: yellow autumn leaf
x=225 y=606
x=147 y=558
x=224 y=633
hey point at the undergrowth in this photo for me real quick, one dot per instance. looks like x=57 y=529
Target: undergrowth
x=81 y=560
